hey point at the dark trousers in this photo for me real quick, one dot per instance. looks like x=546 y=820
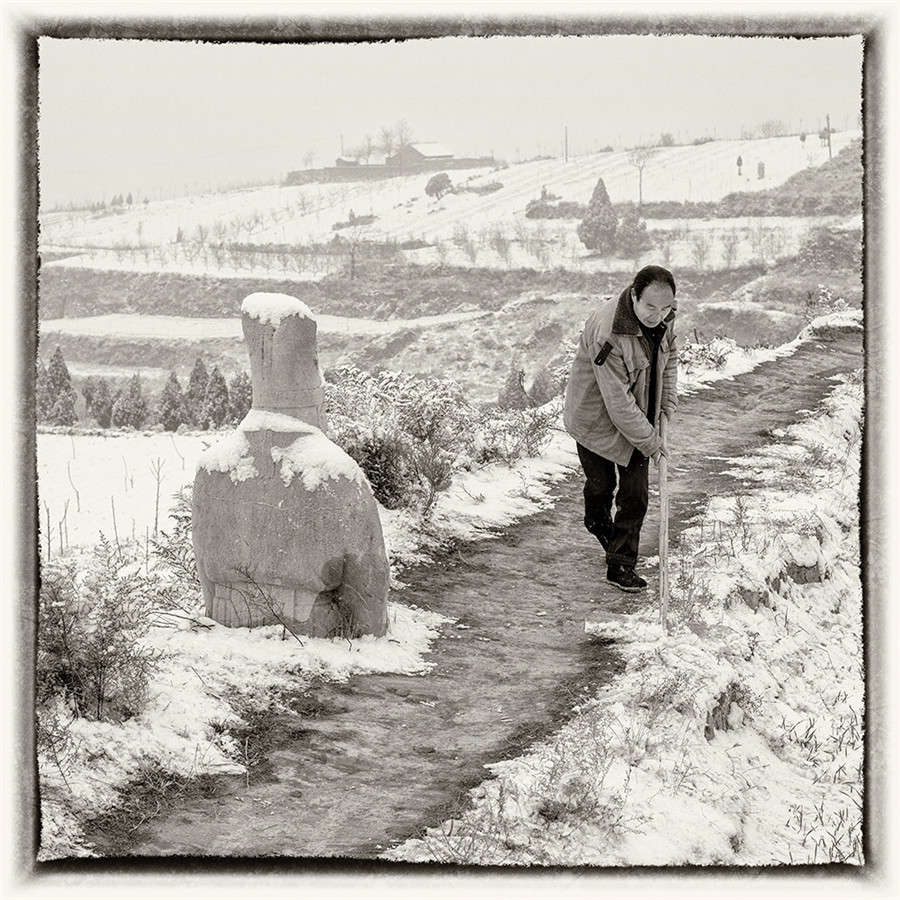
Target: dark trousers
x=632 y=497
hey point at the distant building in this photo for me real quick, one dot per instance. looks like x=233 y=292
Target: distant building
x=422 y=156
x=414 y=155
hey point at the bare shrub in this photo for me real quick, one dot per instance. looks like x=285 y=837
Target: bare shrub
x=730 y=242
x=500 y=244
x=773 y=243
x=463 y=239
x=758 y=242
x=700 y=246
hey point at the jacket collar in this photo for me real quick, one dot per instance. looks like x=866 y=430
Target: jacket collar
x=625 y=321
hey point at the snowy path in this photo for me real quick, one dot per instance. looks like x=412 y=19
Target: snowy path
x=392 y=754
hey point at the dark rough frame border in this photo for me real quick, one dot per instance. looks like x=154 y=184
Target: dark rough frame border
x=871 y=24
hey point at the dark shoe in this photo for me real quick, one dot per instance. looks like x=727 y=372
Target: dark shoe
x=600 y=530
x=625 y=579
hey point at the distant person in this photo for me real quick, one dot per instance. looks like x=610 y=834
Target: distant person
x=761 y=170
x=622 y=382
x=740 y=163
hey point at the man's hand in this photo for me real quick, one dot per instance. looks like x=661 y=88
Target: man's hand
x=664 y=439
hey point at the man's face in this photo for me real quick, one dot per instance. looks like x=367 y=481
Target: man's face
x=654 y=304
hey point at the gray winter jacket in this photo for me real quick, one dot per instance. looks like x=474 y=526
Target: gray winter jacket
x=609 y=383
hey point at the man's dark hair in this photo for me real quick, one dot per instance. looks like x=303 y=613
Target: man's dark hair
x=650 y=275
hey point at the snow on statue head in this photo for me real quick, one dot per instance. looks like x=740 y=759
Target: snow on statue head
x=285 y=525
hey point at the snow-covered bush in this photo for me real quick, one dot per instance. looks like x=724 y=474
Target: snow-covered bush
x=631 y=234
x=177 y=585
x=90 y=639
x=438 y=185
x=409 y=434
x=822 y=302
x=825 y=249
x=381 y=452
x=565 y=209
x=705 y=355
x=507 y=435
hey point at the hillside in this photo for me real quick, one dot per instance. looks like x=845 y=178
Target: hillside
x=308 y=213
x=527 y=318
x=832 y=188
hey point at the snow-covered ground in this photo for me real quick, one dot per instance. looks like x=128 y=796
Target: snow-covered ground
x=204 y=668
x=143 y=237
x=200 y=329
x=735 y=737
x=85 y=480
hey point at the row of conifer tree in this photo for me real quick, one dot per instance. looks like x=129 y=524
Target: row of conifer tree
x=208 y=401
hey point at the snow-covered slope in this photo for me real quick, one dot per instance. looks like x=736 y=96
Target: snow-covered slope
x=306 y=213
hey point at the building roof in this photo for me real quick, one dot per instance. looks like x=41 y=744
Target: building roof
x=431 y=148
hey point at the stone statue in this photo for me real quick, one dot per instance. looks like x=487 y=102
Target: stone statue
x=285 y=525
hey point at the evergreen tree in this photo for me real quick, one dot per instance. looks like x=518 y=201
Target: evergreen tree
x=240 y=396
x=63 y=412
x=172 y=410
x=512 y=395
x=88 y=391
x=58 y=373
x=43 y=396
x=215 y=409
x=102 y=405
x=631 y=234
x=130 y=408
x=597 y=230
x=543 y=387
x=196 y=391
x=438 y=185
x=129 y=199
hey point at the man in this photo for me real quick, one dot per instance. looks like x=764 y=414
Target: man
x=622 y=381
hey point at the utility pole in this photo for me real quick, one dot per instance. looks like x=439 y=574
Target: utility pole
x=342 y=145
x=566 y=143
x=828 y=132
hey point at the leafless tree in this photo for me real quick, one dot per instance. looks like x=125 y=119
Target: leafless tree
x=772 y=128
x=404 y=133
x=639 y=157
x=386 y=136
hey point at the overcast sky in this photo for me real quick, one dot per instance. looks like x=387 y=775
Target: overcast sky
x=153 y=116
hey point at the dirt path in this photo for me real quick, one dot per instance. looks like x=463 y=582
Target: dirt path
x=394 y=754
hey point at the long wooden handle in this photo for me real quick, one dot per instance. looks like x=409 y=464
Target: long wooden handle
x=663 y=531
